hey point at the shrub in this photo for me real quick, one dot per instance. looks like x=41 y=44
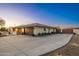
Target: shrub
x=3 y=29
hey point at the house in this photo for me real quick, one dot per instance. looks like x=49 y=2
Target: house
x=76 y=30
x=32 y=29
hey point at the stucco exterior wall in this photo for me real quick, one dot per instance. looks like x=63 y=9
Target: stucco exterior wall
x=54 y=30
x=76 y=31
x=51 y=30
x=13 y=32
x=40 y=30
x=33 y=30
x=29 y=31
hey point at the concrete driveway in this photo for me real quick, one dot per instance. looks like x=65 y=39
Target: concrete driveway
x=22 y=45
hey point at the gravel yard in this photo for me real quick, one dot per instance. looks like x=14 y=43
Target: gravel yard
x=22 y=45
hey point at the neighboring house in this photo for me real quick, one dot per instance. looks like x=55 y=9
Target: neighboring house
x=76 y=30
x=32 y=29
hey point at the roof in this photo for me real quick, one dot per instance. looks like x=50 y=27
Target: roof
x=34 y=25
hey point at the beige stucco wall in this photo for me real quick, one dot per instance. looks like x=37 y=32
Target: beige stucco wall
x=35 y=30
x=51 y=30
x=12 y=32
x=41 y=30
x=29 y=30
x=54 y=30
x=76 y=31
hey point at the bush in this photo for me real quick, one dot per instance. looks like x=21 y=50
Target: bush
x=33 y=35
x=74 y=33
x=3 y=29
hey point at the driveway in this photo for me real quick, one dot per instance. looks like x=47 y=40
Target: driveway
x=22 y=45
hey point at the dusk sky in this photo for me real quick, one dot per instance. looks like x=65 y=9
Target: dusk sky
x=50 y=14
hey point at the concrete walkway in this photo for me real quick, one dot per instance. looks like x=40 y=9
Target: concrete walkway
x=31 y=46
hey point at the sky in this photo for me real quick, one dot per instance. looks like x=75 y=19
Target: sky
x=45 y=13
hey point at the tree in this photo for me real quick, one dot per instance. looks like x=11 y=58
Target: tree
x=2 y=22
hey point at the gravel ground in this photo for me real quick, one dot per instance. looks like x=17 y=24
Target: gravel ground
x=23 y=45
x=71 y=49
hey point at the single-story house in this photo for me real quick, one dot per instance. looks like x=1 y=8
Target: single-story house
x=32 y=29
x=76 y=30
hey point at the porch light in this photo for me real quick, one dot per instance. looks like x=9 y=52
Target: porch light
x=22 y=29
x=16 y=30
